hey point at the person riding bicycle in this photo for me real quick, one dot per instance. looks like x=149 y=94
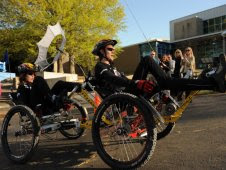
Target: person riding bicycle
x=34 y=90
x=109 y=78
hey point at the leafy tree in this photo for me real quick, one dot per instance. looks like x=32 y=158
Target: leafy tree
x=24 y=22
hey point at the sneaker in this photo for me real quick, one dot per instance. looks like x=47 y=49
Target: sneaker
x=219 y=76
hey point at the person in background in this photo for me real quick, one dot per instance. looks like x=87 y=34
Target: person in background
x=153 y=55
x=171 y=65
x=188 y=66
x=164 y=64
x=188 y=63
x=157 y=60
x=178 y=63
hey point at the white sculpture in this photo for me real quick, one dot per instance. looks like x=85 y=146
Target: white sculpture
x=44 y=43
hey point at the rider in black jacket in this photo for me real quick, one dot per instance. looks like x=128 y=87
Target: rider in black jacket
x=112 y=80
x=34 y=90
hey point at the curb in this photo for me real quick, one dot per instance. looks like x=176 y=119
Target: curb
x=4 y=105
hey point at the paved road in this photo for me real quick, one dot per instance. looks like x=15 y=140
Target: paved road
x=197 y=142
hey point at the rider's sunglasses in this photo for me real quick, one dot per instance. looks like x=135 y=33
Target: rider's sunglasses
x=110 y=49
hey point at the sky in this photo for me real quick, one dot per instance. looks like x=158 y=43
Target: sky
x=153 y=17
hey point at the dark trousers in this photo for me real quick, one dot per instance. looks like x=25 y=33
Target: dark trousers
x=63 y=87
x=147 y=65
x=42 y=94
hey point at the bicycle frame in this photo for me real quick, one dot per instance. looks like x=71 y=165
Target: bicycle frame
x=85 y=94
x=174 y=117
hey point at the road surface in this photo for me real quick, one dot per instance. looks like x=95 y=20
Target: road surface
x=197 y=142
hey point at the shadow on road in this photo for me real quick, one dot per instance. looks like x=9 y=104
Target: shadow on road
x=55 y=154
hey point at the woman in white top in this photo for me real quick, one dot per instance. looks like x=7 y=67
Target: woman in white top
x=188 y=66
x=188 y=63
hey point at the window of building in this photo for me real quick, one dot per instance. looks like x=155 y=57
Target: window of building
x=217 y=20
x=145 y=48
x=211 y=29
x=209 y=48
x=214 y=25
x=217 y=27
x=205 y=27
x=211 y=22
x=160 y=47
x=218 y=23
x=224 y=19
x=224 y=26
x=224 y=22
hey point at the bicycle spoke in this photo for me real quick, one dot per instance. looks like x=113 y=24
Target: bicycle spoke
x=19 y=139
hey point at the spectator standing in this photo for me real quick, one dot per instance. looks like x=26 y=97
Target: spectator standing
x=188 y=66
x=157 y=60
x=178 y=63
x=164 y=64
x=153 y=55
x=188 y=63
x=171 y=65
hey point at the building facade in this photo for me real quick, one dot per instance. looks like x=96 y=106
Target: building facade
x=203 y=31
x=129 y=58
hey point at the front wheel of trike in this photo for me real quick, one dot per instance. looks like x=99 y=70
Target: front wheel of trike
x=124 y=132
x=20 y=134
x=76 y=113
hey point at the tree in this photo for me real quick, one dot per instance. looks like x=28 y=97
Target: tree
x=24 y=22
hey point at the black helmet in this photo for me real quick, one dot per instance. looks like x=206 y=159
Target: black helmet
x=26 y=68
x=101 y=44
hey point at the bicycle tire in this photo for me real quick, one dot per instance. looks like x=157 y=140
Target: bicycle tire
x=166 y=131
x=149 y=142
x=28 y=125
x=78 y=108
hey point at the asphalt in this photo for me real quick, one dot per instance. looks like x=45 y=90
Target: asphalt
x=197 y=142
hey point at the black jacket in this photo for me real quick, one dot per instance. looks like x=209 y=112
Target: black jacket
x=110 y=80
x=33 y=94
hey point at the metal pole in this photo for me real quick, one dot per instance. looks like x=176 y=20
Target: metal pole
x=224 y=44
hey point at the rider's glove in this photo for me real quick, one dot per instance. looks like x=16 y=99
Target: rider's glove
x=145 y=85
